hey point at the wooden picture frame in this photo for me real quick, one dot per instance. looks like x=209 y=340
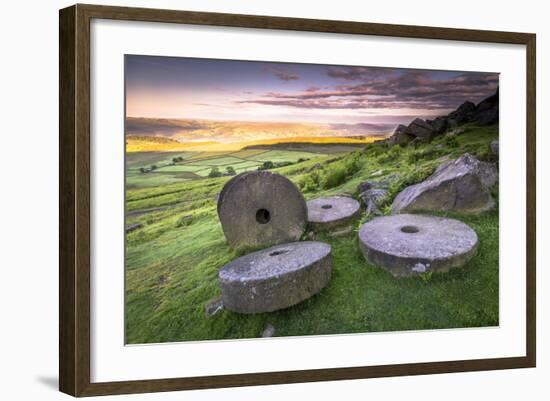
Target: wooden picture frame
x=74 y=199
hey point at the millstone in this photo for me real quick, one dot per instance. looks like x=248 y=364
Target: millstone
x=331 y=212
x=275 y=278
x=227 y=186
x=408 y=244
x=261 y=209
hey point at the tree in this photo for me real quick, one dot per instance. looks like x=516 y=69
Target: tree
x=230 y=170
x=153 y=167
x=215 y=172
x=266 y=165
x=142 y=170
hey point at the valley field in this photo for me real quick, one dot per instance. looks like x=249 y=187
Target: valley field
x=151 y=169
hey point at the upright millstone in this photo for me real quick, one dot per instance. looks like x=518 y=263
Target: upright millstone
x=332 y=212
x=408 y=244
x=228 y=185
x=275 y=278
x=261 y=209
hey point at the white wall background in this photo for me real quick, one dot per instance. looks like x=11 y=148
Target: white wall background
x=28 y=200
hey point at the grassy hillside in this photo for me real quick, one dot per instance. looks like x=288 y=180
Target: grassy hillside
x=173 y=259
x=171 y=167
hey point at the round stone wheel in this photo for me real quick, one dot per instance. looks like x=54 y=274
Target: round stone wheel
x=261 y=209
x=227 y=186
x=408 y=244
x=275 y=278
x=331 y=212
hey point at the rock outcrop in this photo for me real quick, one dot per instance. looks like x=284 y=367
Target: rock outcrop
x=439 y=125
x=459 y=185
x=372 y=199
x=484 y=113
x=400 y=136
x=420 y=129
x=464 y=113
x=373 y=194
x=494 y=147
x=487 y=111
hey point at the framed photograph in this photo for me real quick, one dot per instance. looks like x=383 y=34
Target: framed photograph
x=250 y=200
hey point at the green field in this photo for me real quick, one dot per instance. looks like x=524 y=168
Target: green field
x=197 y=165
x=173 y=259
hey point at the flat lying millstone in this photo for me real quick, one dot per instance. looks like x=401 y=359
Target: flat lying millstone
x=408 y=244
x=261 y=209
x=275 y=278
x=331 y=212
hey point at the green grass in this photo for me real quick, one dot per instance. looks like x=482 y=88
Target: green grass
x=156 y=179
x=201 y=163
x=247 y=153
x=283 y=156
x=146 y=159
x=172 y=261
x=180 y=167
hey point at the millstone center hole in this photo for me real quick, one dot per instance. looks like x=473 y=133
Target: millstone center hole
x=263 y=216
x=409 y=229
x=326 y=206
x=278 y=252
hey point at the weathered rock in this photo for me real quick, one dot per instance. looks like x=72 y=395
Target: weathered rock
x=275 y=278
x=269 y=331
x=494 y=147
x=489 y=102
x=261 y=209
x=400 y=136
x=406 y=245
x=459 y=185
x=185 y=220
x=213 y=307
x=463 y=113
x=488 y=173
x=366 y=185
x=331 y=212
x=373 y=198
x=416 y=142
x=451 y=123
x=421 y=129
x=455 y=132
x=133 y=227
x=487 y=117
x=316 y=166
x=439 y=125
x=487 y=111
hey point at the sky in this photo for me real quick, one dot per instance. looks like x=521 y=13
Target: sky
x=232 y=90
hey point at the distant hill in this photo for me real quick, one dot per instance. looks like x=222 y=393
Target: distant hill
x=152 y=139
x=311 y=146
x=250 y=132
x=139 y=143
